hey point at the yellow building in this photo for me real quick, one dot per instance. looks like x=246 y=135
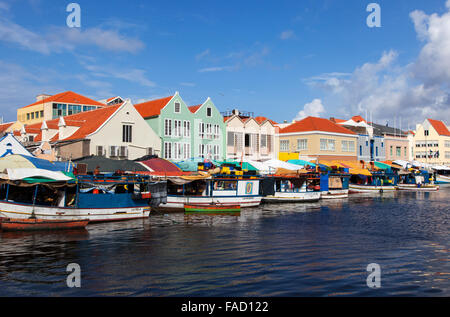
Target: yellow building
x=48 y=107
x=317 y=138
x=432 y=143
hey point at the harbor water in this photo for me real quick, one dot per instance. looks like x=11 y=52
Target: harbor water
x=317 y=249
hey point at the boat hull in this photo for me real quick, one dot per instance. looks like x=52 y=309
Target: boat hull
x=334 y=194
x=176 y=203
x=24 y=211
x=292 y=197
x=211 y=210
x=354 y=189
x=414 y=187
x=39 y=224
x=441 y=179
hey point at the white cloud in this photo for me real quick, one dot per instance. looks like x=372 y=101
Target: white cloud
x=314 y=109
x=134 y=75
x=59 y=39
x=202 y=54
x=216 y=69
x=286 y=35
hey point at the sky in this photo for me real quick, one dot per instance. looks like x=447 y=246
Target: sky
x=281 y=59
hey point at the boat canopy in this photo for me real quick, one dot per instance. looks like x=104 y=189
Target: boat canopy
x=302 y=163
x=23 y=161
x=382 y=166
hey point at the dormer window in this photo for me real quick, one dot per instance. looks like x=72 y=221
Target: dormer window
x=209 y=112
x=177 y=107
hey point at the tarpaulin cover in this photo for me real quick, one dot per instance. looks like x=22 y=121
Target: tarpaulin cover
x=160 y=165
x=23 y=161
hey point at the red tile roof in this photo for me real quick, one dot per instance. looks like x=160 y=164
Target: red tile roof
x=440 y=127
x=68 y=97
x=153 y=107
x=315 y=124
x=5 y=126
x=358 y=119
x=88 y=122
x=194 y=109
x=261 y=119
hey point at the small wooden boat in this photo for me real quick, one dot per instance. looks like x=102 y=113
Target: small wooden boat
x=212 y=209
x=32 y=224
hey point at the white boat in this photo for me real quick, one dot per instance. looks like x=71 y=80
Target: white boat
x=299 y=189
x=334 y=194
x=293 y=197
x=442 y=179
x=421 y=188
x=97 y=199
x=354 y=188
x=221 y=191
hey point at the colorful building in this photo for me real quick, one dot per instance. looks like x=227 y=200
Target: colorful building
x=432 y=142
x=317 y=138
x=117 y=132
x=185 y=132
x=48 y=107
x=250 y=137
x=396 y=142
x=370 y=146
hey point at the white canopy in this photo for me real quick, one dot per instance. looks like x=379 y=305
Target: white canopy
x=21 y=173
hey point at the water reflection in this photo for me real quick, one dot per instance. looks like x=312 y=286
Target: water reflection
x=315 y=249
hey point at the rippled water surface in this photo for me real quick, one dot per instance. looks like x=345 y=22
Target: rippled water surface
x=319 y=249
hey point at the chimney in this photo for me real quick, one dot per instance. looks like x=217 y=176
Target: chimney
x=332 y=119
x=44 y=130
x=42 y=97
x=235 y=112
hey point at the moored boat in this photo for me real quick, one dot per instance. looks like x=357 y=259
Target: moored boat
x=222 y=190
x=334 y=185
x=34 y=224
x=212 y=209
x=301 y=188
x=418 y=187
x=95 y=198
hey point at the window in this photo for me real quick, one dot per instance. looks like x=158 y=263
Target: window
x=426 y=132
x=382 y=144
x=42 y=113
x=100 y=150
x=187 y=129
x=167 y=150
x=28 y=116
x=230 y=138
x=209 y=112
x=348 y=146
x=186 y=150
x=201 y=130
x=398 y=151
x=327 y=144
x=36 y=114
x=302 y=144
x=177 y=151
x=177 y=128
x=360 y=150
x=284 y=145
x=376 y=151
x=127 y=133
x=167 y=127
x=392 y=150
x=177 y=107
x=447 y=143
x=405 y=154
x=216 y=131
x=447 y=155
x=32 y=115
x=201 y=150
x=209 y=131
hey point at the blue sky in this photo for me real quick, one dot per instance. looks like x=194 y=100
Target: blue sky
x=280 y=59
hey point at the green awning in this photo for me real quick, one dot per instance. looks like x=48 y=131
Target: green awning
x=382 y=165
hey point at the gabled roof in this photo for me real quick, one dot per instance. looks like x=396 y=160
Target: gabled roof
x=194 y=109
x=440 y=127
x=315 y=124
x=88 y=122
x=358 y=119
x=5 y=126
x=261 y=119
x=153 y=107
x=68 y=97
